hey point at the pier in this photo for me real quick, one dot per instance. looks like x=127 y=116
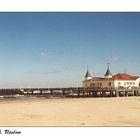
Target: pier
x=72 y=92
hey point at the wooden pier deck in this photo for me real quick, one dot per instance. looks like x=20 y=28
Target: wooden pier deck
x=72 y=92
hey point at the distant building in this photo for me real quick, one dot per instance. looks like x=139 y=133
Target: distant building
x=120 y=80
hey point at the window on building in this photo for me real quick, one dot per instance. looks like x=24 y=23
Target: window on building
x=130 y=83
x=119 y=83
x=127 y=83
x=109 y=84
x=133 y=83
x=100 y=84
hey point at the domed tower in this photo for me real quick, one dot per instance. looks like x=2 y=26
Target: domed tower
x=108 y=73
x=88 y=75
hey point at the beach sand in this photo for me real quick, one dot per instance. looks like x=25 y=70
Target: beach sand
x=119 y=111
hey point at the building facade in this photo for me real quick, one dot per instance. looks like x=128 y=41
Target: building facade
x=120 y=80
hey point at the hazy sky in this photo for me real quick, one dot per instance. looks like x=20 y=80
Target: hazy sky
x=54 y=49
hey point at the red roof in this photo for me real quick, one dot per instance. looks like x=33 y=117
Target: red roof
x=124 y=76
x=119 y=76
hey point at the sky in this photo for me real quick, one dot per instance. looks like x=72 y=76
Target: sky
x=54 y=49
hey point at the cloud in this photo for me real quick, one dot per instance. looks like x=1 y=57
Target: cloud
x=51 y=72
x=47 y=55
x=112 y=59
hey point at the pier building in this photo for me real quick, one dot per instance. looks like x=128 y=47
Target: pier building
x=119 y=80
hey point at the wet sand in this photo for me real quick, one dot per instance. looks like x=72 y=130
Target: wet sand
x=121 y=111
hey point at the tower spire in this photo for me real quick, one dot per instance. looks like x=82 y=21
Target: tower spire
x=108 y=73
x=88 y=75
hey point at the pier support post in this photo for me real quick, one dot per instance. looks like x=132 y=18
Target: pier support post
x=92 y=93
x=63 y=92
x=126 y=93
x=78 y=92
x=84 y=93
x=111 y=93
x=40 y=91
x=103 y=94
x=95 y=93
x=117 y=93
x=135 y=93
x=51 y=92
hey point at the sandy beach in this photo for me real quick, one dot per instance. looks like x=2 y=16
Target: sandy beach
x=121 y=111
